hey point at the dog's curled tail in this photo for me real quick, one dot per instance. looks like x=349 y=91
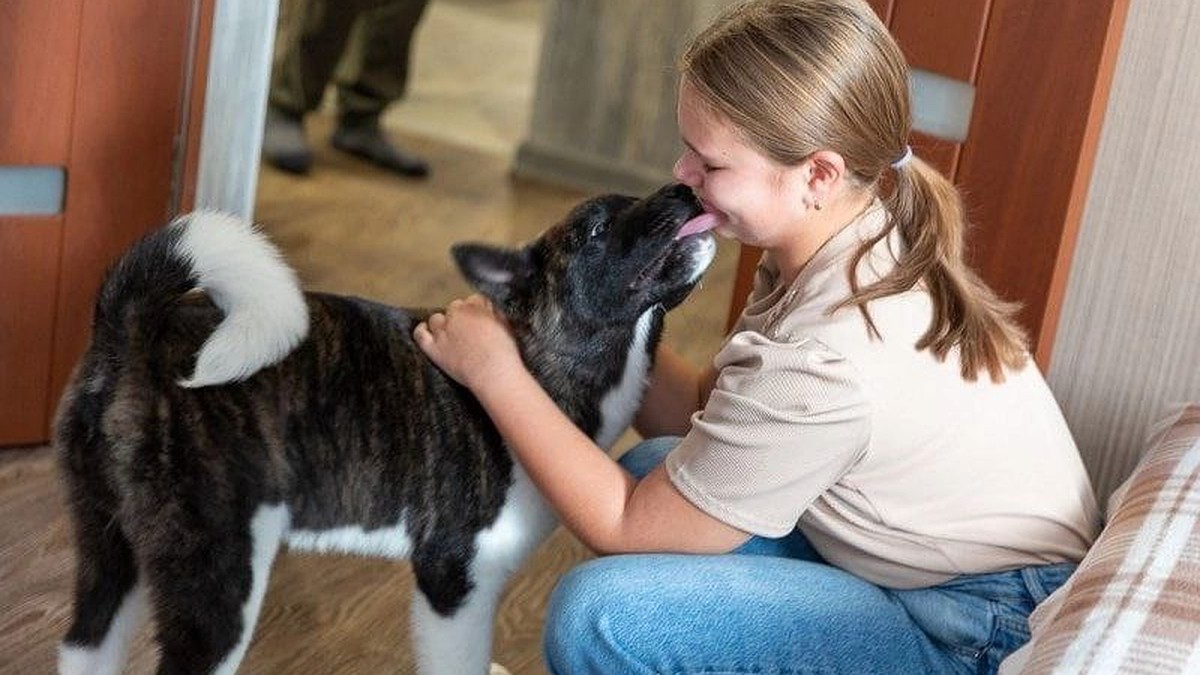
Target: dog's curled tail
x=242 y=273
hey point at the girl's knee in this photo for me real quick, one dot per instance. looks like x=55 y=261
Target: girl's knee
x=576 y=600
x=583 y=603
x=567 y=617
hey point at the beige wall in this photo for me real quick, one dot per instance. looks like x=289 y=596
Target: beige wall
x=1128 y=345
x=604 y=112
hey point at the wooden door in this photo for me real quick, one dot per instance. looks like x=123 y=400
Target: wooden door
x=1041 y=73
x=102 y=91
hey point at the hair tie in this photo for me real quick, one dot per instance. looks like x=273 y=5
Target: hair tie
x=904 y=159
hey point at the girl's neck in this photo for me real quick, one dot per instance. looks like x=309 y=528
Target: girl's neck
x=819 y=227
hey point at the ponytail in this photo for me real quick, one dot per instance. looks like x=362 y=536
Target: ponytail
x=928 y=210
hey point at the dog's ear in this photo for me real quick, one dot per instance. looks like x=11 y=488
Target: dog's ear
x=494 y=271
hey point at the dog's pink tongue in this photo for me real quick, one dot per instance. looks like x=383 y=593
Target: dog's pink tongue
x=701 y=223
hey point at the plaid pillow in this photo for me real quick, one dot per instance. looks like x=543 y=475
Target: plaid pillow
x=1134 y=603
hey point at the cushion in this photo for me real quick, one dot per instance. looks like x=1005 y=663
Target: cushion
x=1134 y=603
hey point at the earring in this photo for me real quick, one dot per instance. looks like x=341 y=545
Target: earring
x=817 y=205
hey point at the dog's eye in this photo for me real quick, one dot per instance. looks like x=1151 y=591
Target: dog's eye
x=598 y=228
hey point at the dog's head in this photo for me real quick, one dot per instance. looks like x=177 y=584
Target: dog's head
x=609 y=261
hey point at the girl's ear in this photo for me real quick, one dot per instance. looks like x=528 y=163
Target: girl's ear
x=494 y=271
x=825 y=171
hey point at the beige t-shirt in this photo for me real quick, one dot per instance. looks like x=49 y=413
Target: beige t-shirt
x=893 y=466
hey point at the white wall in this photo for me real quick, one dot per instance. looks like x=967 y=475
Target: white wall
x=1128 y=345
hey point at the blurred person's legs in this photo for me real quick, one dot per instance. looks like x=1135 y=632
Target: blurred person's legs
x=361 y=45
x=372 y=74
x=309 y=42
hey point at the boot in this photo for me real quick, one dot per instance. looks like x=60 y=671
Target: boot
x=284 y=144
x=362 y=137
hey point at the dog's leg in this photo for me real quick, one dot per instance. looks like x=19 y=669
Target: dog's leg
x=110 y=604
x=458 y=641
x=207 y=598
x=266 y=530
x=452 y=629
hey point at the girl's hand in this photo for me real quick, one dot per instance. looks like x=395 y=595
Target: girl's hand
x=470 y=342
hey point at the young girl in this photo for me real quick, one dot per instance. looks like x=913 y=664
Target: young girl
x=872 y=443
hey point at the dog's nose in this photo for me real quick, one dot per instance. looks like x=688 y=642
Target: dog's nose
x=680 y=191
x=683 y=193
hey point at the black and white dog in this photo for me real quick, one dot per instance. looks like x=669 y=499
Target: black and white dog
x=203 y=429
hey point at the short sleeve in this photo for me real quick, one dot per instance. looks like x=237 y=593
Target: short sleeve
x=785 y=421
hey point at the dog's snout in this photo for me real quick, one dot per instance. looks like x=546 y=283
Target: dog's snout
x=674 y=191
x=683 y=192
x=678 y=193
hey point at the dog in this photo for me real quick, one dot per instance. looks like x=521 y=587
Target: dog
x=219 y=412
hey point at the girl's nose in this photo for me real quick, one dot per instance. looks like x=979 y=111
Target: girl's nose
x=685 y=172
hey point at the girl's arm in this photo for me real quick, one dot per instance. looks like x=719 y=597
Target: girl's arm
x=600 y=502
x=676 y=391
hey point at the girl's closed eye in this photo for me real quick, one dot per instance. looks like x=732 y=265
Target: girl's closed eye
x=706 y=164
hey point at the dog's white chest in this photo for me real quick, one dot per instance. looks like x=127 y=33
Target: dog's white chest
x=621 y=403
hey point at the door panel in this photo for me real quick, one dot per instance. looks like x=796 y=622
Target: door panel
x=922 y=27
x=29 y=249
x=38 y=45
x=38 y=68
x=1040 y=102
x=941 y=153
x=127 y=125
x=98 y=88
x=884 y=9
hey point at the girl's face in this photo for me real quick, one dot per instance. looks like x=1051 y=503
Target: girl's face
x=757 y=200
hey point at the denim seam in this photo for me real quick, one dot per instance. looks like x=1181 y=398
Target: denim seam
x=980 y=652
x=609 y=636
x=1033 y=584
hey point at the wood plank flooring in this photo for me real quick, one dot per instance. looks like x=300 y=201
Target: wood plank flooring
x=322 y=614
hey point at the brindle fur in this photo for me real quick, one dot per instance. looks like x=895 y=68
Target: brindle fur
x=355 y=427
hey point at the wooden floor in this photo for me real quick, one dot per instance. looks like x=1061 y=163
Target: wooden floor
x=347 y=228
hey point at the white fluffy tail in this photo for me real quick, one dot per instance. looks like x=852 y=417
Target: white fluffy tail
x=244 y=274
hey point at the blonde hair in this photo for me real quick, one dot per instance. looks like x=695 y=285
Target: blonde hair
x=797 y=76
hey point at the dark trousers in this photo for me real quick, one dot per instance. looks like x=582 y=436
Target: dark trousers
x=362 y=46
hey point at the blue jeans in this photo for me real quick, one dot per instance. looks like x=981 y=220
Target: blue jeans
x=774 y=606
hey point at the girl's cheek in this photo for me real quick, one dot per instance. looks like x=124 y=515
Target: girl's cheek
x=717 y=193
